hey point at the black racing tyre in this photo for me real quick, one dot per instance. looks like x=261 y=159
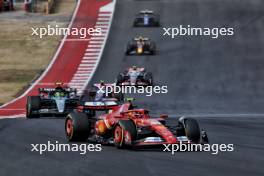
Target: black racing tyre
x=92 y=93
x=135 y=23
x=123 y=127
x=77 y=127
x=152 y=48
x=157 y=24
x=119 y=96
x=128 y=48
x=119 y=79
x=33 y=104
x=192 y=130
x=7 y=8
x=90 y=98
x=149 y=78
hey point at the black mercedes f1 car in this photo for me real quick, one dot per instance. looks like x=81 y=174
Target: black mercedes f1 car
x=52 y=101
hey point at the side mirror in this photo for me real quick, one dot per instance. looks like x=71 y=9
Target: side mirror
x=164 y=116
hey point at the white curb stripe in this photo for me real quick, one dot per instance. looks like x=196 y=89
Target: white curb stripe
x=104 y=18
x=83 y=72
x=102 y=26
x=90 y=58
x=87 y=64
x=105 y=15
x=91 y=54
x=95 y=38
x=102 y=23
x=93 y=49
x=88 y=61
x=94 y=46
x=97 y=42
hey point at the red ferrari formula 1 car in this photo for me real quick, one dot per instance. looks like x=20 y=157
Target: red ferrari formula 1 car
x=125 y=126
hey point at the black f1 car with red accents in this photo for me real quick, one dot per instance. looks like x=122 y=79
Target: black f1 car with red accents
x=135 y=76
x=141 y=46
x=125 y=126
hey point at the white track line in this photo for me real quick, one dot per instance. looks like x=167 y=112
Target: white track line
x=10 y=109
x=13 y=116
x=51 y=63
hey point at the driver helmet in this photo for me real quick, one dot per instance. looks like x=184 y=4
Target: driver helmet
x=140 y=39
x=134 y=67
x=59 y=86
x=137 y=115
x=102 y=83
x=59 y=94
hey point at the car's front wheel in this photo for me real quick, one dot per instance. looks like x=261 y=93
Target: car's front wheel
x=124 y=134
x=192 y=130
x=33 y=104
x=148 y=77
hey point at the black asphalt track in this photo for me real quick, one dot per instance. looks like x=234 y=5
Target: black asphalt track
x=218 y=81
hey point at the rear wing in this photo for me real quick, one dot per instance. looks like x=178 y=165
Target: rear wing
x=146 y=12
x=101 y=105
x=140 y=69
x=144 y=39
x=50 y=90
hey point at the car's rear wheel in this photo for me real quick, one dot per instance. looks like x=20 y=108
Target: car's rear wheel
x=135 y=24
x=33 y=104
x=148 y=77
x=92 y=93
x=153 y=48
x=157 y=24
x=119 y=79
x=119 y=96
x=192 y=130
x=128 y=48
x=77 y=127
